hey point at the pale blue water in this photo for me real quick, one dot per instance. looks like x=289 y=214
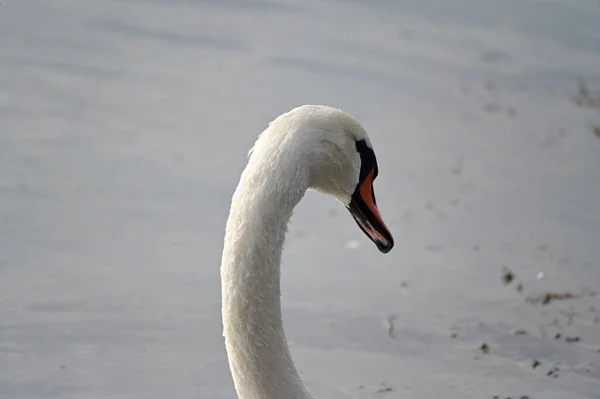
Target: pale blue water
x=124 y=127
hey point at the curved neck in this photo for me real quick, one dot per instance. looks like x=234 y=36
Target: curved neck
x=262 y=205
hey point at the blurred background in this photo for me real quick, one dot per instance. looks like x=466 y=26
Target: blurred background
x=124 y=127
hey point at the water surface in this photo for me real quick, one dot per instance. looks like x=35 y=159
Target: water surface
x=125 y=126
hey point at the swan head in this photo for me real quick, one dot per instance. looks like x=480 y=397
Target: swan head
x=341 y=162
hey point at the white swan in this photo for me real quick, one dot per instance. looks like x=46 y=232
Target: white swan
x=309 y=147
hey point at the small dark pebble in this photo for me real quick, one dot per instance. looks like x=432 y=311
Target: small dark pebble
x=520 y=332
x=485 y=348
x=553 y=372
x=535 y=363
x=552 y=296
x=507 y=276
x=454 y=335
x=386 y=389
x=572 y=340
x=519 y=287
x=557 y=336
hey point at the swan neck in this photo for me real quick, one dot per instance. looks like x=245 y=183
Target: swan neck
x=257 y=349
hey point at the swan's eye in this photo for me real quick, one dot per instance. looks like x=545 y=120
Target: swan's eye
x=368 y=162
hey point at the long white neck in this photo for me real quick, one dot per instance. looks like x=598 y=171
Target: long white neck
x=270 y=187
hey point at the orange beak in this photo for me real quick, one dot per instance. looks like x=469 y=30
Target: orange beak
x=363 y=208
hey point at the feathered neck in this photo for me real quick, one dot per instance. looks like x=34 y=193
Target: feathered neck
x=272 y=184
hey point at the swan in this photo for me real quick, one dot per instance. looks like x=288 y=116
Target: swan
x=310 y=147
